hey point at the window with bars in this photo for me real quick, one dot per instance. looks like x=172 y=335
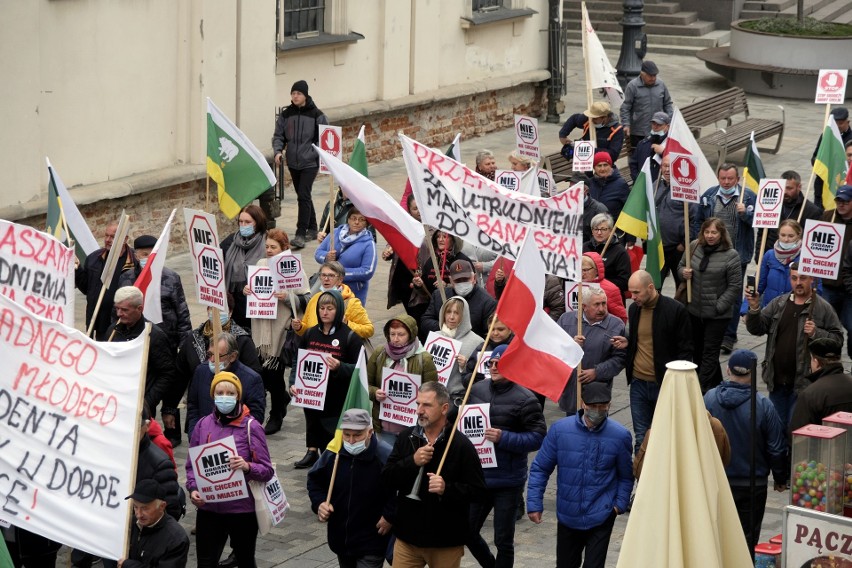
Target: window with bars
x=301 y=18
x=486 y=5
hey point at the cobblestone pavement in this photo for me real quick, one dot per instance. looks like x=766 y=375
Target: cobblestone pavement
x=300 y=540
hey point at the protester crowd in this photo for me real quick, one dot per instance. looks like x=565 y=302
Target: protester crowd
x=418 y=495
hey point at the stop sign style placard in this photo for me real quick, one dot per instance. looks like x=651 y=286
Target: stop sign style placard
x=821 y=246
x=526 y=137
x=261 y=302
x=684 y=177
x=400 y=406
x=831 y=86
x=584 y=156
x=508 y=179
x=444 y=352
x=473 y=422
x=288 y=271
x=210 y=278
x=331 y=141
x=215 y=479
x=311 y=379
x=767 y=210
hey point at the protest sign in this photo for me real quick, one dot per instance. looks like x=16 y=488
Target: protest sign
x=208 y=264
x=474 y=421
x=584 y=156
x=767 y=209
x=484 y=370
x=69 y=413
x=261 y=302
x=821 y=246
x=509 y=179
x=444 y=352
x=454 y=199
x=572 y=295
x=526 y=137
x=400 y=406
x=276 y=500
x=216 y=481
x=37 y=271
x=288 y=271
x=330 y=140
x=831 y=86
x=311 y=379
x=684 y=177
x=546 y=183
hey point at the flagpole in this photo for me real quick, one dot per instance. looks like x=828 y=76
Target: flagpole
x=110 y=266
x=760 y=260
x=65 y=224
x=593 y=138
x=438 y=276
x=140 y=405
x=466 y=393
x=292 y=303
x=608 y=240
x=332 y=195
x=580 y=332
x=813 y=173
x=686 y=248
x=334 y=476
x=745 y=184
x=207 y=195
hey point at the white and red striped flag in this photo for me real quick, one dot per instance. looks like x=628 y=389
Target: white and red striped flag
x=151 y=278
x=542 y=355
x=402 y=231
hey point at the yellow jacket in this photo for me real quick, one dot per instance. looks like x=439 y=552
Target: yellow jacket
x=355 y=316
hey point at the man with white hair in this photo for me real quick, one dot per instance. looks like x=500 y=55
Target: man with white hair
x=486 y=164
x=161 y=373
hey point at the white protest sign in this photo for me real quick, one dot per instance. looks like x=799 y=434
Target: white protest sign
x=831 y=86
x=453 y=198
x=584 y=156
x=474 y=421
x=444 y=352
x=484 y=369
x=211 y=464
x=400 y=406
x=261 y=302
x=526 y=137
x=684 y=178
x=208 y=264
x=331 y=141
x=509 y=179
x=288 y=271
x=69 y=408
x=37 y=271
x=546 y=183
x=311 y=379
x=276 y=500
x=767 y=208
x=821 y=246
x=572 y=295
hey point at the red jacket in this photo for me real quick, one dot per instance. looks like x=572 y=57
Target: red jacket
x=155 y=432
x=614 y=303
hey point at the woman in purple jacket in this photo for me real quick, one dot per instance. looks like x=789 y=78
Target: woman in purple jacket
x=216 y=521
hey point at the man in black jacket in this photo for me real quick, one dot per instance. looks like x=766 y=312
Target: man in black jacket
x=831 y=390
x=660 y=332
x=481 y=304
x=432 y=524
x=156 y=539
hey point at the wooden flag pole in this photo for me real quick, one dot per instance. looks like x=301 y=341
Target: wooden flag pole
x=580 y=332
x=438 y=276
x=332 y=194
x=813 y=173
x=207 y=195
x=333 y=477
x=686 y=248
x=606 y=244
x=110 y=265
x=760 y=259
x=97 y=309
x=216 y=324
x=745 y=184
x=593 y=137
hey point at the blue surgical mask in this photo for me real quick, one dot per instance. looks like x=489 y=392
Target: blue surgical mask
x=143 y=262
x=225 y=403
x=658 y=133
x=728 y=192
x=247 y=230
x=788 y=246
x=212 y=366
x=356 y=448
x=223 y=317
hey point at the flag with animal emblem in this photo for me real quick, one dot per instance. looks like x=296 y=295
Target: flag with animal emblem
x=238 y=168
x=830 y=163
x=754 y=171
x=639 y=218
x=600 y=73
x=60 y=206
x=358 y=396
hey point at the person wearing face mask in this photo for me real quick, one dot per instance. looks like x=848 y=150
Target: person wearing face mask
x=360 y=512
x=480 y=304
x=595 y=478
x=609 y=134
x=355 y=249
x=243 y=249
x=199 y=405
x=448 y=249
x=500 y=335
x=651 y=146
x=405 y=353
x=215 y=522
x=331 y=275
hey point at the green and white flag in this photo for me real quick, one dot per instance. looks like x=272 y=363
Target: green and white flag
x=454 y=149
x=639 y=218
x=754 y=171
x=358 y=159
x=58 y=202
x=233 y=162
x=358 y=396
x=830 y=163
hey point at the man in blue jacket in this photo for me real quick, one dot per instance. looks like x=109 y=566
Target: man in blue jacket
x=517 y=428
x=594 y=480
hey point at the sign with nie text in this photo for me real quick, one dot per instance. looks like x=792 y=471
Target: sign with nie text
x=211 y=464
x=208 y=265
x=400 y=406
x=526 y=137
x=474 y=421
x=261 y=302
x=444 y=352
x=767 y=210
x=311 y=379
x=821 y=246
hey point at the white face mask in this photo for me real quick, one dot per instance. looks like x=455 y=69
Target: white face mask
x=356 y=448
x=463 y=288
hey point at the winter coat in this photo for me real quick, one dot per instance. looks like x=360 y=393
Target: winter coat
x=516 y=411
x=480 y=303
x=774 y=281
x=253 y=450
x=766 y=321
x=430 y=275
x=474 y=355
x=670 y=216
x=595 y=471
x=616 y=261
x=161 y=374
x=644 y=150
x=469 y=340
x=614 y=303
x=359 y=499
x=87 y=279
x=641 y=101
x=716 y=292
x=830 y=392
x=788 y=212
x=672 y=335
x=297 y=129
x=612 y=191
x=745 y=232
x=176 y=321
x=199 y=403
x=164 y=545
x=609 y=136
x=358 y=258
x=435 y=521
x=154 y=463
x=847 y=236
x=554 y=296
x=354 y=313
x=729 y=402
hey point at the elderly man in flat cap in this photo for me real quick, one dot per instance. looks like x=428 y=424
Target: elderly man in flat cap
x=644 y=96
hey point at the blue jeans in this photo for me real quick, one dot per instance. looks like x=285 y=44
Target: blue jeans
x=839 y=300
x=784 y=399
x=643 y=401
x=505 y=502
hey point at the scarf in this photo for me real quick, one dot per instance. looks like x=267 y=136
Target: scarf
x=346 y=238
x=705 y=260
x=786 y=256
x=269 y=334
x=402 y=352
x=201 y=337
x=451 y=333
x=243 y=252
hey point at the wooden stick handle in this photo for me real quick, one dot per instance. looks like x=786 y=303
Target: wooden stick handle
x=333 y=477
x=686 y=248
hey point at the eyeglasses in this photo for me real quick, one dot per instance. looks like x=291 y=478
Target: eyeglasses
x=492 y=364
x=327 y=275
x=601 y=229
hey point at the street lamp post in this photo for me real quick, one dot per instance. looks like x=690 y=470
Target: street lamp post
x=634 y=42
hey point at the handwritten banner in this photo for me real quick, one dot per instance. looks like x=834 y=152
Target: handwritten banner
x=311 y=379
x=208 y=264
x=474 y=421
x=400 y=407
x=288 y=271
x=37 y=271
x=69 y=411
x=216 y=481
x=261 y=302
x=444 y=352
x=455 y=199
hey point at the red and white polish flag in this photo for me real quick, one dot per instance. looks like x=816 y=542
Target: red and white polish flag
x=151 y=278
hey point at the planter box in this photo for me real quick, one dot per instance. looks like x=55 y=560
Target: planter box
x=791 y=52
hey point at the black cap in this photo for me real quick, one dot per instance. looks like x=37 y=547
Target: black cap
x=146 y=491
x=741 y=361
x=596 y=393
x=650 y=68
x=840 y=113
x=301 y=86
x=145 y=242
x=825 y=348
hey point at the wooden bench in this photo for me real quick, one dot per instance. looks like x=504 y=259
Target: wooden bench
x=561 y=168
x=732 y=136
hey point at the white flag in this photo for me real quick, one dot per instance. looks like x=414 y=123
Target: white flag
x=601 y=74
